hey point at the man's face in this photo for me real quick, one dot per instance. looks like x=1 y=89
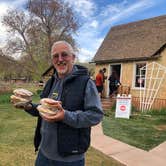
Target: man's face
x=62 y=59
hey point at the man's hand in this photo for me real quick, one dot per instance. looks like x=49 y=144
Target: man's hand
x=23 y=105
x=58 y=116
x=21 y=98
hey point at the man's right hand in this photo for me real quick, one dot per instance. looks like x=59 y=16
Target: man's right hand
x=23 y=105
x=21 y=98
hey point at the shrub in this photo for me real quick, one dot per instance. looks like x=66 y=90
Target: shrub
x=4 y=90
x=38 y=91
x=5 y=98
x=157 y=112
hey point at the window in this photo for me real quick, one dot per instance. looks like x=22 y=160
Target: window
x=140 y=81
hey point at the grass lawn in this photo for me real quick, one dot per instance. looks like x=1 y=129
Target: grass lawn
x=144 y=131
x=16 y=139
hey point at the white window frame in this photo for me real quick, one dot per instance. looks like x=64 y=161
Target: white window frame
x=134 y=75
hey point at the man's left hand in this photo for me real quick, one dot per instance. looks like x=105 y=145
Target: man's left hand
x=59 y=116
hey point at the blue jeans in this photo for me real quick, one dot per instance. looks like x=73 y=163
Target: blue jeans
x=44 y=161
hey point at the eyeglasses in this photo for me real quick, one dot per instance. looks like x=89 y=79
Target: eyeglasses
x=63 y=55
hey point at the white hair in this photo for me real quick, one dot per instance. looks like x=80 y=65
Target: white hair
x=63 y=42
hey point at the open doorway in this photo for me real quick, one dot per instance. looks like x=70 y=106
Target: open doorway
x=117 y=69
x=114 y=78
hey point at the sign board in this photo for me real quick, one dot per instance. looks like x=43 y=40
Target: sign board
x=123 y=107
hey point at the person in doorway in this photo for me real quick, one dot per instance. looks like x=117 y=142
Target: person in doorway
x=64 y=138
x=99 y=82
x=113 y=83
x=104 y=79
x=104 y=76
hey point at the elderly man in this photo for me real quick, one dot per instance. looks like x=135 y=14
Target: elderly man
x=64 y=138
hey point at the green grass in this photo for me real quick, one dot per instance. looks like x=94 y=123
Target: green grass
x=96 y=158
x=16 y=138
x=142 y=130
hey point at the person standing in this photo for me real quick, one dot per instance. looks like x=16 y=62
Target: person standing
x=113 y=83
x=104 y=80
x=104 y=77
x=63 y=139
x=99 y=82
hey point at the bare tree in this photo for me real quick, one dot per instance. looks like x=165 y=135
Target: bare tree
x=57 y=19
x=18 y=24
x=34 y=31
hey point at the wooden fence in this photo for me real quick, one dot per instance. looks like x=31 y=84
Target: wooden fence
x=157 y=105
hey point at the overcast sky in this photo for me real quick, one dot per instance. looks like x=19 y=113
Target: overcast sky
x=97 y=17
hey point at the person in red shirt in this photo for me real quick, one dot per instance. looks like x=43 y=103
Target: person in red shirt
x=99 y=82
